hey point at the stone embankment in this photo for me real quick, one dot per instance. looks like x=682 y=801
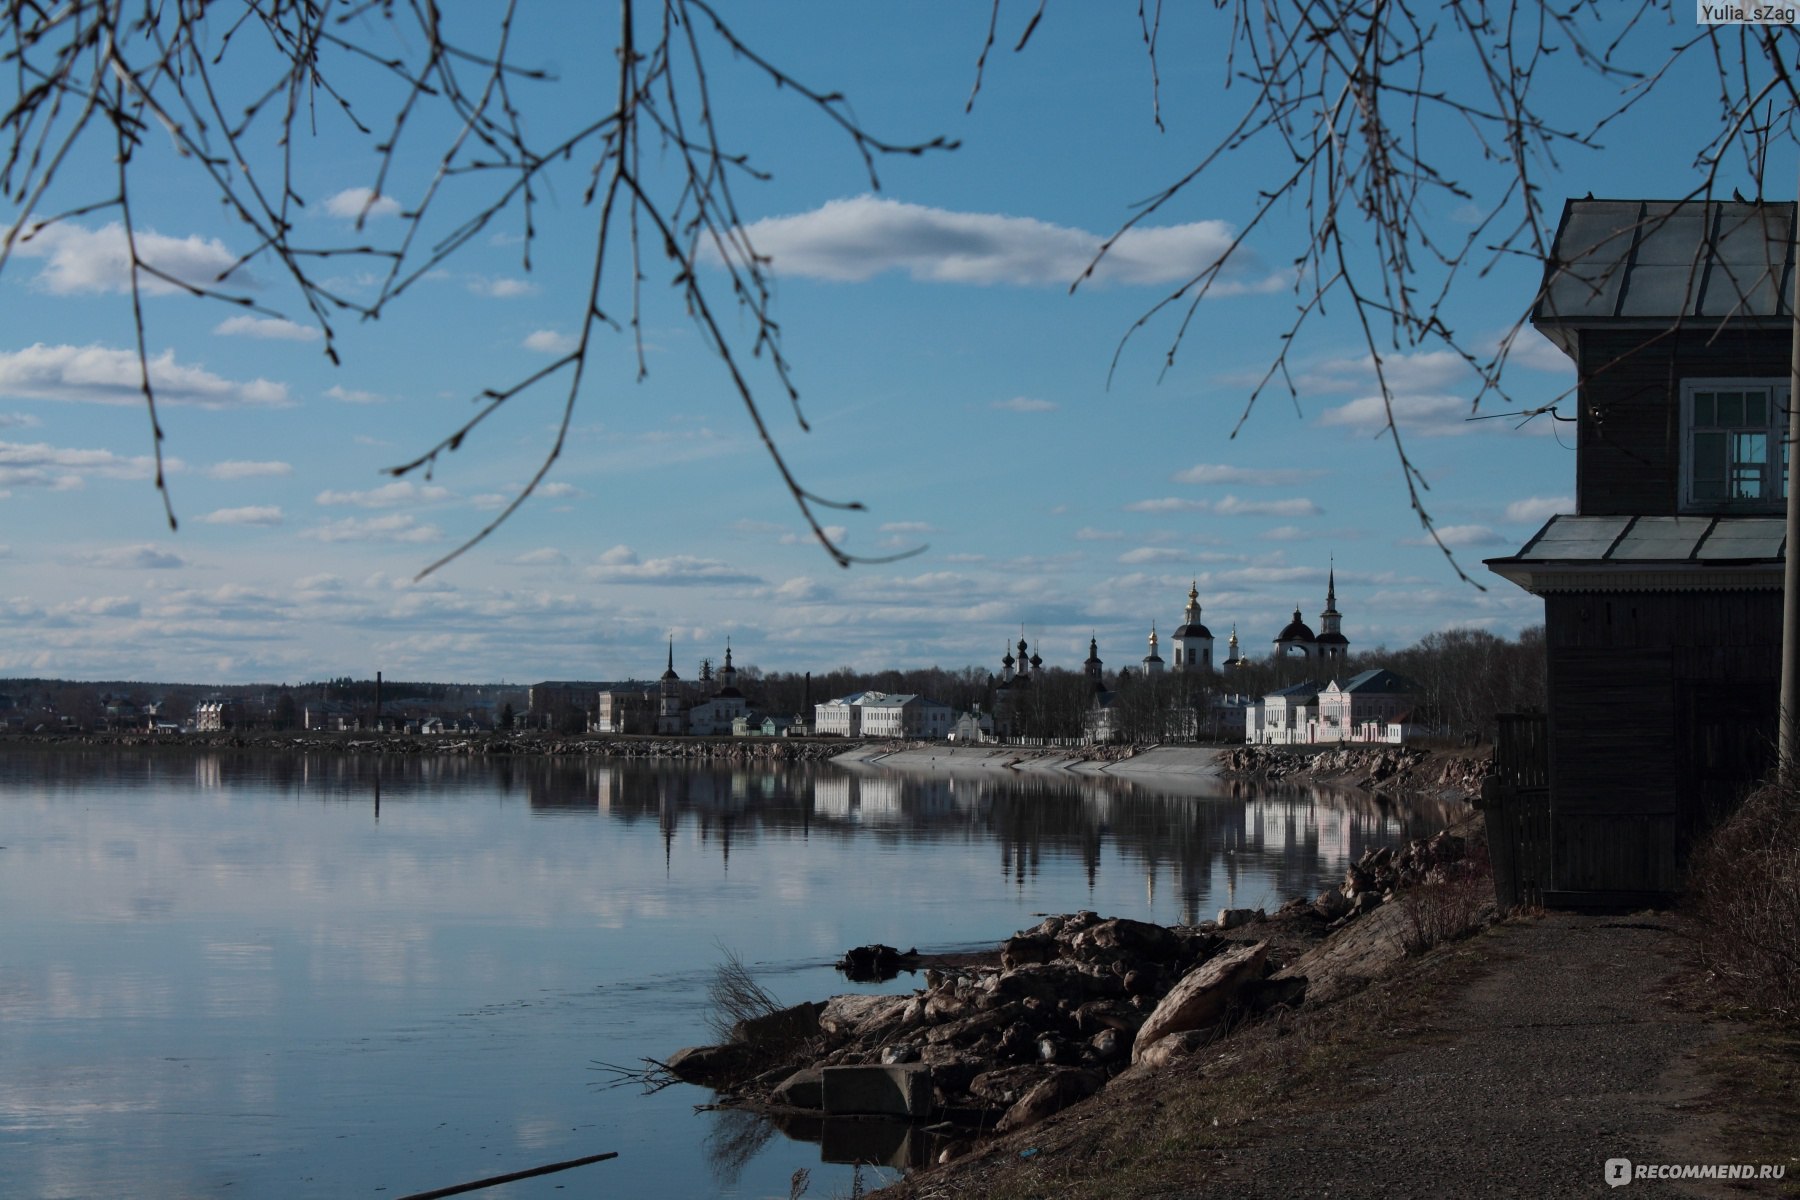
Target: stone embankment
x=460 y=745
x=1394 y=769
x=1073 y=1002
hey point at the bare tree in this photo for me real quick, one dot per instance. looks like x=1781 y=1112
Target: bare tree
x=1362 y=97
x=103 y=77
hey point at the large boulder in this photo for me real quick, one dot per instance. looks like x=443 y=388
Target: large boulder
x=784 y=1027
x=710 y=1065
x=802 y=1089
x=1054 y=1094
x=1177 y=1045
x=1026 y=948
x=1202 y=996
x=861 y=1016
x=1121 y=937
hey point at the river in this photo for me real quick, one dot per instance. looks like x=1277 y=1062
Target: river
x=266 y=975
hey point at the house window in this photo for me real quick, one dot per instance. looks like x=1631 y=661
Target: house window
x=1733 y=452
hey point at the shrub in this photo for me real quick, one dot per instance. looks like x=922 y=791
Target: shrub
x=1452 y=903
x=1744 y=884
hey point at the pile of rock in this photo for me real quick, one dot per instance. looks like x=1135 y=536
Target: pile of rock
x=1374 y=878
x=1074 y=1001
x=1372 y=768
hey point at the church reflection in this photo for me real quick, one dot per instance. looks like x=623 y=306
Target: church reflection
x=1198 y=844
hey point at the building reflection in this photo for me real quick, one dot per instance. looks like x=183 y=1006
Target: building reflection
x=1215 y=842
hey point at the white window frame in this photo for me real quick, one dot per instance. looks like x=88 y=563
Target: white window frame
x=1775 y=431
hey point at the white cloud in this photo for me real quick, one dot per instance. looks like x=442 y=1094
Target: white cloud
x=502 y=288
x=856 y=239
x=1167 y=504
x=1230 y=506
x=1298 y=506
x=1025 y=404
x=549 y=341
x=800 y=590
x=559 y=491
x=1152 y=554
x=245 y=469
x=909 y=527
x=99 y=260
x=1432 y=416
x=354 y=396
x=1540 y=354
x=1423 y=371
x=621 y=564
x=836 y=533
x=1088 y=534
x=141 y=557
x=37 y=464
x=267 y=514
x=354 y=202
x=19 y=421
x=545 y=557
x=1456 y=536
x=1535 y=510
x=401 y=491
x=268 y=328
x=1246 y=476
x=399 y=527
x=99 y=375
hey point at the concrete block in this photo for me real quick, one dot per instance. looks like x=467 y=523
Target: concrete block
x=803 y=1089
x=873 y=1143
x=901 y=1090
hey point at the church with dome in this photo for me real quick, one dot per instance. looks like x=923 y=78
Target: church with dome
x=1329 y=647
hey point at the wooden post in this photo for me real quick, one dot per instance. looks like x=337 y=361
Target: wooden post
x=1789 y=715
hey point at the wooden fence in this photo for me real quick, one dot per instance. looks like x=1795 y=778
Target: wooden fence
x=1517 y=809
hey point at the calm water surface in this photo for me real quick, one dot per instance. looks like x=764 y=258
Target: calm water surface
x=294 y=976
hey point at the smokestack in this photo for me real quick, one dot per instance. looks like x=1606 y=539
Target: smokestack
x=378 y=699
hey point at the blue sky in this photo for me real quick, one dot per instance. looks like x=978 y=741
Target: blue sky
x=953 y=384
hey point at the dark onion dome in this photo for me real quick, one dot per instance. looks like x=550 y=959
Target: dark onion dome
x=1194 y=630
x=1296 y=631
x=729 y=693
x=1333 y=639
x=1036 y=662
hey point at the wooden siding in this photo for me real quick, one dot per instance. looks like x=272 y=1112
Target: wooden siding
x=1628 y=445
x=1662 y=714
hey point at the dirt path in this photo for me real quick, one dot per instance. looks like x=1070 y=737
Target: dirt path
x=1565 y=1054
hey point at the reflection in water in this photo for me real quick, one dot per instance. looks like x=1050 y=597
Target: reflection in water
x=246 y=970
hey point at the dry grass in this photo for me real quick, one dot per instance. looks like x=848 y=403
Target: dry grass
x=1163 y=1134
x=1745 y=886
x=734 y=995
x=1756 y=1088
x=1443 y=910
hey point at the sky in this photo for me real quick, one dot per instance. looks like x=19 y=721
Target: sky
x=952 y=384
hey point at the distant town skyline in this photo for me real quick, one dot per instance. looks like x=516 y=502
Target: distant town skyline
x=953 y=383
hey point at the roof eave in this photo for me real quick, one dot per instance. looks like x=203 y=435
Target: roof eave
x=1547 y=576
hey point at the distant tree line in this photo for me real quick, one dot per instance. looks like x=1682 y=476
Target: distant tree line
x=1464 y=678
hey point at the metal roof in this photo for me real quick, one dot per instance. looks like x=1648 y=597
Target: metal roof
x=1654 y=262
x=1649 y=554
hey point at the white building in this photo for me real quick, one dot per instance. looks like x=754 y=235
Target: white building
x=880 y=715
x=1375 y=706
x=1283 y=718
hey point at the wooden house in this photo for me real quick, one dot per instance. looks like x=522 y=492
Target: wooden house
x=1663 y=590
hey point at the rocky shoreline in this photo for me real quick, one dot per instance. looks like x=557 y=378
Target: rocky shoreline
x=1378 y=769
x=1063 y=1009
x=496 y=745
